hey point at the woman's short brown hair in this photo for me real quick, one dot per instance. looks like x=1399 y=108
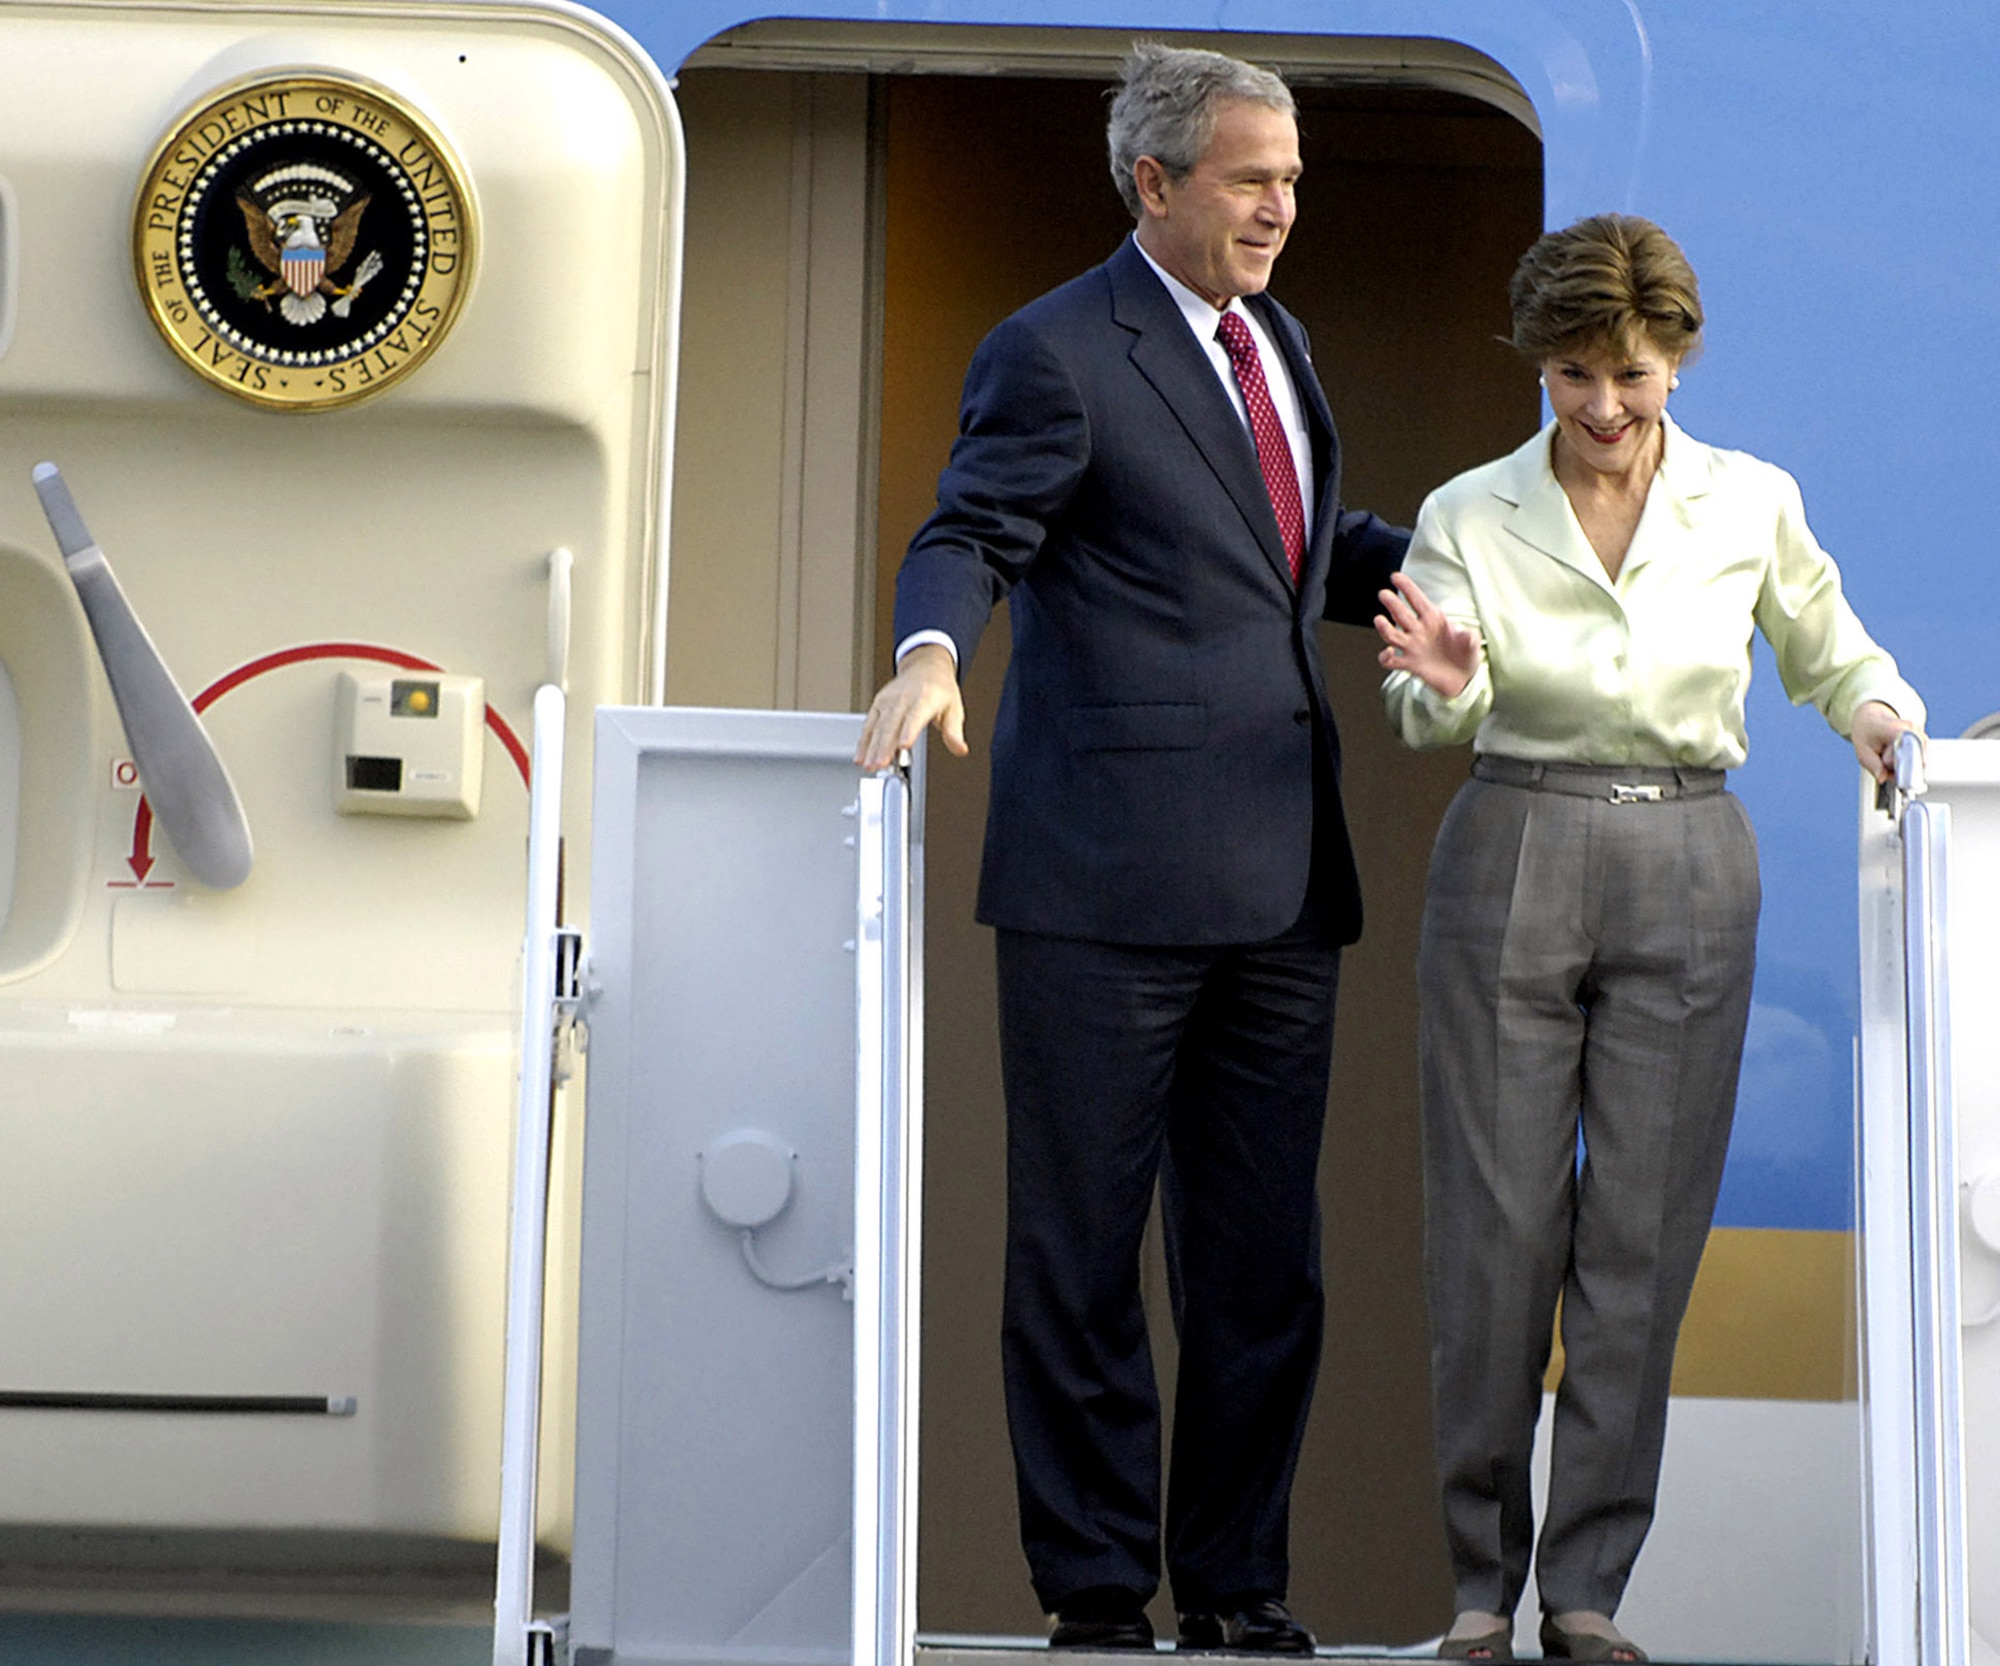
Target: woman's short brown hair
x=1608 y=283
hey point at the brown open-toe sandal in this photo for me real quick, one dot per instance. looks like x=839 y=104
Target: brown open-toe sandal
x=1560 y=1643
x=1494 y=1645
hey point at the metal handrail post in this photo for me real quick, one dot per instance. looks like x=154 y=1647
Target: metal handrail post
x=1915 y=1381
x=514 y=1584
x=888 y=1219
x=1943 y=1638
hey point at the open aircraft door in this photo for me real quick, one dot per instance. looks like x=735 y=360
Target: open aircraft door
x=336 y=374
x=350 y=329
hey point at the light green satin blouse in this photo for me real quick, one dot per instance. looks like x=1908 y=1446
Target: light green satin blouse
x=1651 y=669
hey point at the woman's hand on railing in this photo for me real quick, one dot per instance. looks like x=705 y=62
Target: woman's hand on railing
x=1876 y=730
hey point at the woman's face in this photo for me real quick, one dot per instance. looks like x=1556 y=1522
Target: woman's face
x=1608 y=404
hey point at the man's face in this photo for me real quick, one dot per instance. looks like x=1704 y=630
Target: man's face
x=1220 y=229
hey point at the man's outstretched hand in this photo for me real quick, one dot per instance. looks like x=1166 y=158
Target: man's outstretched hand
x=924 y=690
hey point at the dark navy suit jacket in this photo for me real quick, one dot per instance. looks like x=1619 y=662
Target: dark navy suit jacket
x=1153 y=759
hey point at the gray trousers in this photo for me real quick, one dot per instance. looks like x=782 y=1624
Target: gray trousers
x=1584 y=977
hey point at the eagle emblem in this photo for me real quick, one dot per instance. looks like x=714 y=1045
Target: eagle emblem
x=303 y=240
x=303 y=223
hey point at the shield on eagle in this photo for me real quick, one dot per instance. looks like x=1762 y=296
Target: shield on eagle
x=303 y=269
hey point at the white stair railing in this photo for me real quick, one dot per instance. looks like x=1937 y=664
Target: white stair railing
x=1910 y=1222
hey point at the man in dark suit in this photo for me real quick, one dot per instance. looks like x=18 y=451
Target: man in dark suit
x=1147 y=470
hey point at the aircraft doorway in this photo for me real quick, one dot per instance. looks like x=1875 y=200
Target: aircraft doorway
x=981 y=192
x=1413 y=209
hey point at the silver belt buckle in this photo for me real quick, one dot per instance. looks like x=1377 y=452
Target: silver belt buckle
x=1636 y=795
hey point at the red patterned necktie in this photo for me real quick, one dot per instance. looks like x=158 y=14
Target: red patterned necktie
x=1274 y=451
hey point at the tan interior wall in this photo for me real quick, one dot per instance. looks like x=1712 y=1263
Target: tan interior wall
x=1413 y=209
x=773 y=542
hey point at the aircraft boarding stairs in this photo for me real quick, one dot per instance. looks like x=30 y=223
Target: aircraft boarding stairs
x=751 y=1451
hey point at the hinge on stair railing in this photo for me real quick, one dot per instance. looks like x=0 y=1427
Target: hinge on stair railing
x=570 y=1002
x=1893 y=796
x=548 y=1641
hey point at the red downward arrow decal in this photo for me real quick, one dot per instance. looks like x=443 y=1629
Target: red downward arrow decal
x=141 y=859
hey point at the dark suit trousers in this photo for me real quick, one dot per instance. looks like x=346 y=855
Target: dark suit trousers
x=1204 y=1069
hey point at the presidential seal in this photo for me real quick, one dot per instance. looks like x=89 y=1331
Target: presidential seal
x=303 y=240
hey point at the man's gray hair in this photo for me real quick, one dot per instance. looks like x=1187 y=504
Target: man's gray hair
x=1166 y=105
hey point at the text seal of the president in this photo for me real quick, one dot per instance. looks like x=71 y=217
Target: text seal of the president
x=303 y=240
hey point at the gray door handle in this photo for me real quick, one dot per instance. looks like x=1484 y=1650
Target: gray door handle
x=193 y=799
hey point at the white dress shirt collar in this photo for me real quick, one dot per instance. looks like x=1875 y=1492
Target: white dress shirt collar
x=1203 y=318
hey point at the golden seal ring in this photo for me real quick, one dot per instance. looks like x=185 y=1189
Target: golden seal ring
x=303 y=240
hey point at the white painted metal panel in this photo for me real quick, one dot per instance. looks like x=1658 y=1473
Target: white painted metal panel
x=1930 y=963
x=750 y=952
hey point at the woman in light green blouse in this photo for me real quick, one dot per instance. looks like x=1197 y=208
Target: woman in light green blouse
x=1582 y=611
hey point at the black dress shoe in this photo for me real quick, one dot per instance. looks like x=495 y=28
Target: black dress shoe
x=1102 y=1618
x=1262 y=1626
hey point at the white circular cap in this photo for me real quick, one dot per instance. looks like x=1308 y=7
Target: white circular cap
x=746 y=1177
x=1982 y=1210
